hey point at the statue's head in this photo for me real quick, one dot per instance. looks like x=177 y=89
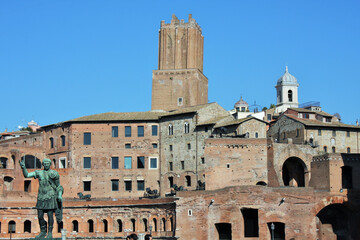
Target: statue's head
x=46 y=163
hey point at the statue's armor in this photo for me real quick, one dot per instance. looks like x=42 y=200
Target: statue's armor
x=47 y=194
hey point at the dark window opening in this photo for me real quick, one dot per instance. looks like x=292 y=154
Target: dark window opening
x=120 y=225
x=203 y=160
x=290 y=96
x=224 y=231
x=325 y=148
x=128 y=185
x=133 y=222
x=187 y=128
x=251 y=222
x=27 y=226
x=188 y=146
x=155 y=145
x=171 y=181
x=105 y=223
x=154 y=130
x=188 y=181
x=114 y=185
x=127 y=131
x=27 y=186
x=63 y=141
x=155 y=224
x=87 y=138
x=127 y=145
x=140 y=185
x=346 y=177
x=277 y=230
x=12 y=227
x=114 y=162
x=87 y=185
x=171 y=130
x=293 y=172
x=319 y=132
x=51 y=142
x=333 y=149
x=3 y=162
x=182 y=165
x=334 y=133
x=87 y=162
x=114 y=131
x=163 y=221
x=348 y=150
x=347 y=133
x=140 y=162
x=75 y=226
x=145 y=224
x=170 y=166
x=32 y=162
x=91 y=225
x=140 y=131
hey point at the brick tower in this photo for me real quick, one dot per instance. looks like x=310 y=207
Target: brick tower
x=179 y=81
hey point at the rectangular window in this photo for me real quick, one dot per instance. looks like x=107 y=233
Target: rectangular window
x=51 y=142
x=154 y=145
x=140 y=131
x=170 y=147
x=87 y=185
x=140 y=162
x=115 y=162
x=319 y=132
x=62 y=162
x=27 y=185
x=127 y=131
x=203 y=160
x=114 y=131
x=251 y=222
x=154 y=130
x=114 y=185
x=140 y=185
x=171 y=181
x=153 y=163
x=87 y=138
x=87 y=162
x=334 y=133
x=182 y=165
x=328 y=119
x=188 y=146
x=63 y=141
x=269 y=117
x=170 y=166
x=128 y=185
x=127 y=145
x=347 y=133
x=127 y=162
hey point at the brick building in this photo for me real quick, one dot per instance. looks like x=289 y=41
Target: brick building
x=234 y=179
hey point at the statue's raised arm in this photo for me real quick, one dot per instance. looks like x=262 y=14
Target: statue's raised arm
x=25 y=172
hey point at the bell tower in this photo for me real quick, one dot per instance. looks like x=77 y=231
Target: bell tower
x=287 y=92
x=179 y=81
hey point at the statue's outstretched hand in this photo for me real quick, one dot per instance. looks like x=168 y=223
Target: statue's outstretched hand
x=22 y=163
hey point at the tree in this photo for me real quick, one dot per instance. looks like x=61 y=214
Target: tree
x=272 y=106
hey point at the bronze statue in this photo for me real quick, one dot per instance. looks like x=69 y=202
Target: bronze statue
x=49 y=199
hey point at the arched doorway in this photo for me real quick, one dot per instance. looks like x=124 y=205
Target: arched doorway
x=334 y=222
x=293 y=172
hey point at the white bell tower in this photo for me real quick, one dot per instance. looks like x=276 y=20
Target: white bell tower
x=286 y=92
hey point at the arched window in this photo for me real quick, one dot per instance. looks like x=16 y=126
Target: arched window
x=62 y=140
x=12 y=227
x=3 y=162
x=333 y=149
x=163 y=221
x=256 y=135
x=32 y=162
x=133 y=225
x=290 y=96
x=27 y=226
x=188 y=181
x=105 y=222
x=348 y=150
x=51 y=142
x=91 y=225
x=171 y=224
x=120 y=225
x=171 y=129
x=325 y=148
x=155 y=224
x=75 y=226
x=145 y=224
x=187 y=127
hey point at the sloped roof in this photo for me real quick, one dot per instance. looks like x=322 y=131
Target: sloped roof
x=316 y=123
x=237 y=121
x=214 y=120
x=119 y=116
x=192 y=109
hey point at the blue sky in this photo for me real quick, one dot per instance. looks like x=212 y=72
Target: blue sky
x=60 y=60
